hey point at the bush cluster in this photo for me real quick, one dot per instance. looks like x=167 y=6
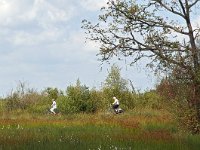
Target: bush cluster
x=77 y=99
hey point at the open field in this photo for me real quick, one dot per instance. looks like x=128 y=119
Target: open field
x=145 y=129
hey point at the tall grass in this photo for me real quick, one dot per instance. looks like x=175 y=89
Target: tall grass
x=147 y=129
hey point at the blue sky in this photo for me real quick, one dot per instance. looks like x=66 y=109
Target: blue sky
x=43 y=45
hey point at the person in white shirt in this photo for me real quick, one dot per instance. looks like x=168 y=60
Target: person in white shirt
x=115 y=103
x=54 y=106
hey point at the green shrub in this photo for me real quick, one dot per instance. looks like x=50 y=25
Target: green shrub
x=95 y=102
x=79 y=99
x=52 y=93
x=149 y=99
x=186 y=117
x=179 y=96
x=190 y=121
x=2 y=105
x=128 y=100
x=13 y=102
x=41 y=104
x=63 y=104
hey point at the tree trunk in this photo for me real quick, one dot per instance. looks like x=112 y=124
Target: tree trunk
x=197 y=99
x=195 y=56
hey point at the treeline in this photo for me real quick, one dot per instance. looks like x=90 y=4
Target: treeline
x=79 y=98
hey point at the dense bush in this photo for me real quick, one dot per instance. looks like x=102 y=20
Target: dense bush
x=128 y=100
x=149 y=99
x=79 y=99
x=52 y=93
x=32 y=102
x=41 y=104
x=63 y=104
x=189 y=121
x=2 y=105
x=13 y=102
x=95 y=102
x=179 y=97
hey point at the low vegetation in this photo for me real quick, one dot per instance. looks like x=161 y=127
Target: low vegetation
x=137 y=129
x=154 y=119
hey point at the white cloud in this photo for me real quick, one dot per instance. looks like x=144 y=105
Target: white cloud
x=14 y=12
x=93 y=5
x=33 y=22
x=7 y=11
x=44 y=10
x=25 y=38
x=78 y=38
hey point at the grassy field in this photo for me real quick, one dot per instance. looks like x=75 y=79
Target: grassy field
x=139 y=129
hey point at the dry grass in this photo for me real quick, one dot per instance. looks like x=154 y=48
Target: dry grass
x=155 y=128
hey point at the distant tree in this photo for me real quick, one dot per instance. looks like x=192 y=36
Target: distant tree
x=161 y=30
x=115 y=81
x=114 y=84
x=53 y=93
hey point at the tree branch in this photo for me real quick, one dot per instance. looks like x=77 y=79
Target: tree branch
x=191 y=5
x=169 y=8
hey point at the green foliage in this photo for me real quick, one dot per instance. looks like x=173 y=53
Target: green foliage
x=80 y=99
x=128 y=100
x=95 y=102
x=32 y=102
x=41 y=104
x=2 y=105
x=190 y=121
x=22 y=98
x=172 y=89
x=13 y=102
x=114 y=80
x=53 y=93
x=26 y=99
x=63 y=104
x=186 y=117
x=149 y=99
x=179 y=97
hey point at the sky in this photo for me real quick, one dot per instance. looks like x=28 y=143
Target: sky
x=42 y=45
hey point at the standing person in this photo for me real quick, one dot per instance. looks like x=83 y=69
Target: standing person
x=115 y=103
x=54 y=106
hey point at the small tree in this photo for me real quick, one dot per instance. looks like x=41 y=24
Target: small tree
x=117 y=86
x=114 y=80
x=53 y=93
